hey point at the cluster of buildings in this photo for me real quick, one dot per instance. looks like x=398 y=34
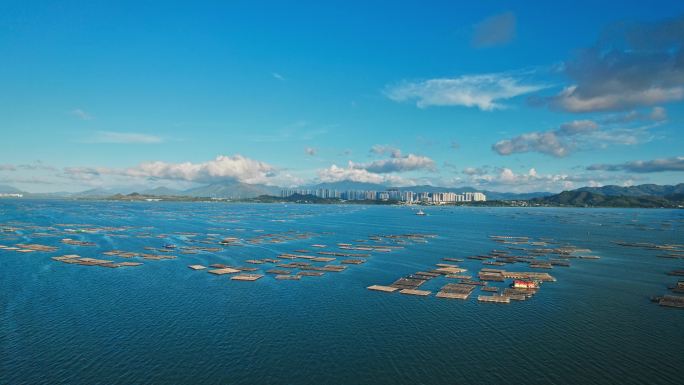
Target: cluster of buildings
x=390 y=195
x=11 y=195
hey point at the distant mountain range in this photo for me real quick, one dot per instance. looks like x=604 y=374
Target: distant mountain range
x=579 y=198
x=636 y=191
x=4 y=189
x=238 y=190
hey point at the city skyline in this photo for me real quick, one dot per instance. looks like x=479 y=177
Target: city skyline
x=498 y=97
x=391 y=194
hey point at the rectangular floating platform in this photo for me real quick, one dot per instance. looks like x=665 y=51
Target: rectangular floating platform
x=541 y=265
x=516 y=297
x=310 y=273
x=451 y=270
x=459 y=276
x=421 y=293
x=490 y=276
x=197 y=267
x=444 y=294
x=226 y=270
x=493 y=298
x=386 y=289
x=322 y=259
x=278 y=271
x=129 y=263
x=672 y=301
x=458 y=288
x=36 y=247
x=408 y=283
x=515 y=291
x=64 y=258
x=92 y=261
x=288 y=277
x=110 y=265
x=246 y=277
x=254 y=261
x=544 y=277
x=353 y=261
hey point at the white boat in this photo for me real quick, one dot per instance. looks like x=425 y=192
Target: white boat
x=420 y=212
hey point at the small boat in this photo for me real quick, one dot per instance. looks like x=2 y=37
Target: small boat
x=420 y=212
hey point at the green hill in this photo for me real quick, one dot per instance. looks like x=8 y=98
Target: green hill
x=589 y=199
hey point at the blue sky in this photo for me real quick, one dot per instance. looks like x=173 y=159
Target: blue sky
x=508 y=96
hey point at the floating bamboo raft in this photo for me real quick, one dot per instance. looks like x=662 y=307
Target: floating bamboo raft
x=494 y=298
x=246 y=277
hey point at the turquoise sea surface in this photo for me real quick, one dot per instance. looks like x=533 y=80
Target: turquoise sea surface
x=162 y=322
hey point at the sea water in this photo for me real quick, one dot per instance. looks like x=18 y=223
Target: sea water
x=164 y=323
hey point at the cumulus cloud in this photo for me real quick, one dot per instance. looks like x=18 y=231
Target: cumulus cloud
x=547 y=142
x=485 y=91
x=531 y=180
x=351 y=173
x=494 y=30
x=644 y=166
x=7 y=167
x=222 y=168
x=632 y=65
x=569 y=137
x=123 y=138
x=398 y=163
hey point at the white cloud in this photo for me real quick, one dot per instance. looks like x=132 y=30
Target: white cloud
x=277 y=76
x=484 y=91
x=222 y=168
x=398 y=163
x=351 y=173
x=543 y=142
x=310 y=151
x=570 y=137
x=508 y=180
